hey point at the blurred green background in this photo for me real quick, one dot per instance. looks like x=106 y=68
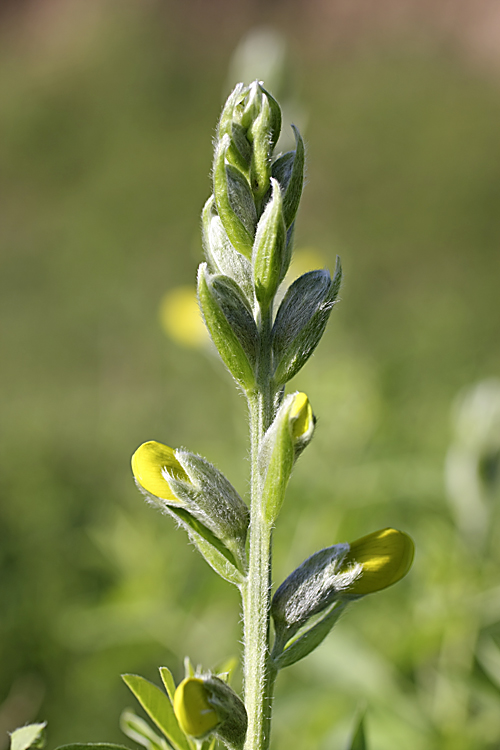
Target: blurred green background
x=107 y=111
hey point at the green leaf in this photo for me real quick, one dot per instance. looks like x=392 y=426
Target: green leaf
x=92 y=746
x=32 y=735
x=140 y=731
x=301 y=320
x=282 y=167
x=158 y=707
x=307 y=641
x=212 y=549
x=168 y=681
x=358 y=741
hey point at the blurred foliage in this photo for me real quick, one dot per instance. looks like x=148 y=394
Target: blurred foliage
x=104 y=156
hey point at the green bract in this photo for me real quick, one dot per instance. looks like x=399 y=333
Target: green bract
x=229 y=320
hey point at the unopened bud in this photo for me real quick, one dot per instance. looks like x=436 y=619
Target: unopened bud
x=194 y=713
x=230 y=323
x=197 y=493
x=270 y=258
x=289 y=434
x=234 y=199
x=206 y=705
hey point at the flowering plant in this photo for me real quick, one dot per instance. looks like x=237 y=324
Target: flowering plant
x=248 y=227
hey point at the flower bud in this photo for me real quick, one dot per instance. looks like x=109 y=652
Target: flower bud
x=289 y=434
x=385 y=557
x=231 y=112
x=309 y=602
x=230 y=323
x=152 y=465
x=270 y=258
x=194 y=713
x=234 y=199
x=200 y=498
x=239 y=152
x=215 y=501
x=251 y=123
x=205 y=705
x=260 y=137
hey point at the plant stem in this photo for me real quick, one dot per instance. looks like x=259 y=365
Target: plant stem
x=259 y=674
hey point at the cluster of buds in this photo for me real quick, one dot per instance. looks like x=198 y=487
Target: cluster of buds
x=248 y=226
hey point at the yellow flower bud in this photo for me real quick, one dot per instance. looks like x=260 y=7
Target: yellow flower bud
x=385 y=556
x=150 y=463
x=301 y=416
x=194 y=713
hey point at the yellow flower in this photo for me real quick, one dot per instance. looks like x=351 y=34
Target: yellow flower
x=385 y=556
x=181 y=319
x=301 y=416
x=194 y=713
x=151 y=463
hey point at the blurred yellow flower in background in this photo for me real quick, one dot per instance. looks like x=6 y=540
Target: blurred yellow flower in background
x=181 y=319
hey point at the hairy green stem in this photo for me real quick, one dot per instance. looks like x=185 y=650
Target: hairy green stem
x=259 y=674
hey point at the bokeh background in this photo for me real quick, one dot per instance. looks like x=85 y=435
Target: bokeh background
x=107 y=111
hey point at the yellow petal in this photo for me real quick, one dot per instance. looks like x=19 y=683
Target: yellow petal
x=148 y=464
x=386 y=557
x=301 y=414
x=194 y=713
